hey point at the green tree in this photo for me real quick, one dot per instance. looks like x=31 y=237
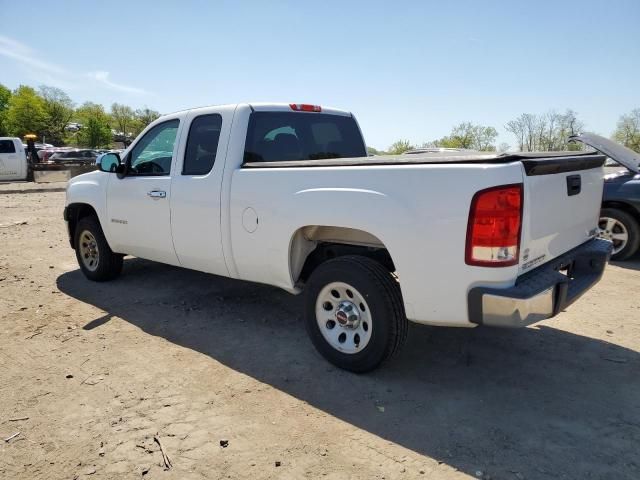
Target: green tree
x=628 y=130
x=484 y=138
x=469 y=136
x=373 y=151
x=144 y=116
x=124 y=119
x=400 y=147
x=26 y=112
x=5 y=96
x=59 y=111
x=95 y=131
x=461 y=136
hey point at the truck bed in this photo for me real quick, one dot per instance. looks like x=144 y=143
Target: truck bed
x=535 y=163
x=411 y=210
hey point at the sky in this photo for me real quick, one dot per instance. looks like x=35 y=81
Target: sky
x=406 y=69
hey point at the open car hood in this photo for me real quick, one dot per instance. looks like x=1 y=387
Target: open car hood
x=621 y=154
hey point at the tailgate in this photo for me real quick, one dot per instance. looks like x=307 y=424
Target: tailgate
x=562 y=198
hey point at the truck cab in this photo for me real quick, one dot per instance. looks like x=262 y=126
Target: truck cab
x=13 y=160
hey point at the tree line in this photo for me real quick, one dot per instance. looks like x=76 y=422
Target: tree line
x=50 y=113
x=532 y=132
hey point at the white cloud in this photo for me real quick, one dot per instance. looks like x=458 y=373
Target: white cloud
x=56 y=74
x=18 y=51
x=103 y=78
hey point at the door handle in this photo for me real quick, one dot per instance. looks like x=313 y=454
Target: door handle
x=157 y=194
x=574 y=185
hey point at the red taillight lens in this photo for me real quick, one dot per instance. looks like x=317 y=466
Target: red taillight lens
x=495 y=220
x=305 y=107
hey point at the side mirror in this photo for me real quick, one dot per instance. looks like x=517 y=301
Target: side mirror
x=109 y=162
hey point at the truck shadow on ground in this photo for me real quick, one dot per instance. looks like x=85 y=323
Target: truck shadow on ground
x=541 y=402
x=632 y=264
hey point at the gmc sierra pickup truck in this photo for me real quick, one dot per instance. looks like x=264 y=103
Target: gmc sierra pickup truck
x=285 y=195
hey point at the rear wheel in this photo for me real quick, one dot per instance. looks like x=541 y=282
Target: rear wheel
x=622 y=230
x=354 y=313
x=95 y=258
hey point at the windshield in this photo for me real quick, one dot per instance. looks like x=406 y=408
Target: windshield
x=282 y=136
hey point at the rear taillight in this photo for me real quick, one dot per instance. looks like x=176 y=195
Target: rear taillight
x=495 y=221
x=305 y=107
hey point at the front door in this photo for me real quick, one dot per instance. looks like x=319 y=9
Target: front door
x=139 y=220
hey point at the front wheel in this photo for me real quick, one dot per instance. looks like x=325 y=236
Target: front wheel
x=622 y=230
x=354 y=313
x=95 y=258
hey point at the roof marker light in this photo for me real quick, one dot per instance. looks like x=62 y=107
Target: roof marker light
x=305 y=107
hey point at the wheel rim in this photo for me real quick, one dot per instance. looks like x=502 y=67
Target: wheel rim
x=343 y=317
x=89 y=252
x=615 y=231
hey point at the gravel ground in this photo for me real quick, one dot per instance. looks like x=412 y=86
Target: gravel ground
x=30 y=187
x=91 y=373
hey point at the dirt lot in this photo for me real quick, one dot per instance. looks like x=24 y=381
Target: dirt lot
x=89 y=373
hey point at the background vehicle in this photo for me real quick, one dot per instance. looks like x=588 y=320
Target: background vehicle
x=285 y=195
x=74 y=156
x=620 y=214
x=73 y=127
x=45 y=153
x=40 y=149
x=13 y=159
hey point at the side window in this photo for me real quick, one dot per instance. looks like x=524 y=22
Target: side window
x=7 y=146
x=202 y=144
x=152 y=154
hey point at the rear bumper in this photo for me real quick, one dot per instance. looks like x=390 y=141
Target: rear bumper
x=541 y=293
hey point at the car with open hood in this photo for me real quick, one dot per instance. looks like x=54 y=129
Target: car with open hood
x=620 y=213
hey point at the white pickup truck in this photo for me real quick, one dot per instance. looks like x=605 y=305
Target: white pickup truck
x=285 y=195
x=13 y=159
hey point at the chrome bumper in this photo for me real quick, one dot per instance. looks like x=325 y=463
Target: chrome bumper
x=544 y=292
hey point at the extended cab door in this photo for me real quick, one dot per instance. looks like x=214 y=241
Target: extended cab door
x=196 y=189
x=139 y=220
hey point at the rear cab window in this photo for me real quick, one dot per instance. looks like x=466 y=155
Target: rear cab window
x=289 y=136
x=7 y=146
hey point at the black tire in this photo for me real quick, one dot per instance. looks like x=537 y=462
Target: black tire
x=386 y=309
x=109 y=264
x=633 y=230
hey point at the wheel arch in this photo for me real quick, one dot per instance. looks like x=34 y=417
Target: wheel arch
x=625 y=207
x=632 y=227
x=311 y=245
x=74 y=213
